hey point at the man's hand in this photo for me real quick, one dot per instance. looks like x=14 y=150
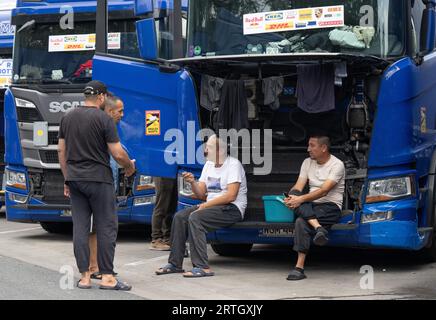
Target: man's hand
x=66 y=191
x=189 y=177
x=130 y=170
x=201 y=206
x=294 y=202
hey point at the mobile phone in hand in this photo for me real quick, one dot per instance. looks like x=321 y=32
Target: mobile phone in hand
x=286 y=194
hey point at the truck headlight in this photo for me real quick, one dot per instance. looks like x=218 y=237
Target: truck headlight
x=389 y=189
x=185 y=189
x=24 y=104
x=145 y=183
x=16 y=179
x=377 y=217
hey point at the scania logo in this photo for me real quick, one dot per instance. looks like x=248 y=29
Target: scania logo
x=56 y=107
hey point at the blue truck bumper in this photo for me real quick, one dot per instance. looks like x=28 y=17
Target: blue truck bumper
x=37 y=211
x=393 y=234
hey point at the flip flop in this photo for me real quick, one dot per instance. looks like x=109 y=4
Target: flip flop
x=120 y=286
x=168 y=269
x=198 y=273
x=81 y=286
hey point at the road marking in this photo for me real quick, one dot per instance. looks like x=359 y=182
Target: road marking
x=20 y=230
x=138 y=263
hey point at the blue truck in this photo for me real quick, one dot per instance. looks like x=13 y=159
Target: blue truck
x=383 y=125
x=53 y=50
x=6 y=44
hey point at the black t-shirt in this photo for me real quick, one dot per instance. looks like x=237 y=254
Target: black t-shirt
x=87 y=131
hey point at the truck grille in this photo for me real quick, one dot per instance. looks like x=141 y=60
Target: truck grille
x=28 y=115
x=53 y=137
x=49 y=156
x=53 y=187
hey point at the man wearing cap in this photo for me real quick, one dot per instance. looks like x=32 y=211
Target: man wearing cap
x=86 y=137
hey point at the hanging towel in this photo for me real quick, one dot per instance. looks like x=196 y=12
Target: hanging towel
x=233 y=111
x=316 y=88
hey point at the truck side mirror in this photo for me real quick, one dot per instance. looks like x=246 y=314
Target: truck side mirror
x=147 y=39
x=428 y=28
x=143 y=7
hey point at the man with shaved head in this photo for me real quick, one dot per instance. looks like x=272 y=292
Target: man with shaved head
x=223 y=187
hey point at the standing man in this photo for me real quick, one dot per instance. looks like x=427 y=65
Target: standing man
x=224 y=187
x=321 y=208
x=114 y=107
x=86 y=136
x=165 y=207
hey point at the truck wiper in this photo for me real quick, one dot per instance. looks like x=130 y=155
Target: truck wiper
x=52 y=81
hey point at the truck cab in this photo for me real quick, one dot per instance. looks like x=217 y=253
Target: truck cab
x=53 y=51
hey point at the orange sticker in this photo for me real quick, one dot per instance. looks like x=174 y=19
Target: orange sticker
x=152 y=123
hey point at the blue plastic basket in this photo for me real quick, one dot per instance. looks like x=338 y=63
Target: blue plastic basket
x=276 y=210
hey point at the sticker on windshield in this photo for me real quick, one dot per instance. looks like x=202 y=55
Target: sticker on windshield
x=57 y=74
x=5 y=72
x=81 y=42
x=297 y=19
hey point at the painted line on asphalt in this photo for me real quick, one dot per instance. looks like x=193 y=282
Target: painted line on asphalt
x=138 y=263
x=20 y=230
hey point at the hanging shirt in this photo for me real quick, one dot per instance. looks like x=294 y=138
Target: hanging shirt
x=316 y=88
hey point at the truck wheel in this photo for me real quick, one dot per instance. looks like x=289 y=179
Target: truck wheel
x=429 y=254
x=57 y=227
x=232 y=250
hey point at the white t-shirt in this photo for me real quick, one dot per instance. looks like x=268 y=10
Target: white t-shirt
x=217 y=180
x=317 y=175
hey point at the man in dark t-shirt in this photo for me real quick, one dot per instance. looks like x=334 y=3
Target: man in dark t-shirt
x=86 y=137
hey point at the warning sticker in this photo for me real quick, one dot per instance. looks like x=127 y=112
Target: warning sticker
x=81 y=42
x=289 y=20
x=152 y=123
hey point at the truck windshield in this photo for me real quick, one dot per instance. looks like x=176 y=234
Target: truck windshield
x=238 y=27
x=47 y=54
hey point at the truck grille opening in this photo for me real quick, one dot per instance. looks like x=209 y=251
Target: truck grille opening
x=49 y=156
x=53 y=137
x=28 y=115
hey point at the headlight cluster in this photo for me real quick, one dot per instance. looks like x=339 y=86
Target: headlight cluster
x=16 y=179
x=145 y=183
x=389 y=189
x=185 y=189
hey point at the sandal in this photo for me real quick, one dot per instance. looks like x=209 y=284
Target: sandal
x=81 y=286
x=120 y=286
x=168 y=269
x=198 y=273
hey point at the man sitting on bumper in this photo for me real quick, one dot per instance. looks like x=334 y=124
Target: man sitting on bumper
x=321 y=208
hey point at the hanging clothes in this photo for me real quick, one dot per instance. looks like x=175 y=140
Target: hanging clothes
x=233 y=110
x=272 y=88
x=316 y=88
x=210 y=94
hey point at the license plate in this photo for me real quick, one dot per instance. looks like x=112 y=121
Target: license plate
x=276 y=233
x=66 y=213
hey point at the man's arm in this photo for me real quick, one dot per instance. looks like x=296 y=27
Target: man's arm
x=63 y=163
x=198 y=188
x=62 y=160
x=120 y=156
x=296 y=201
x=301 y=183
x=228 y=197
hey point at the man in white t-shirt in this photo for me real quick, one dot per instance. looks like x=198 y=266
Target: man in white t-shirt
x=224 y=187
x=321 y=208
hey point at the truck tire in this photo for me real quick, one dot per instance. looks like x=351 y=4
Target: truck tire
x=57 y=227
x=232 y=250
x=429 y=254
